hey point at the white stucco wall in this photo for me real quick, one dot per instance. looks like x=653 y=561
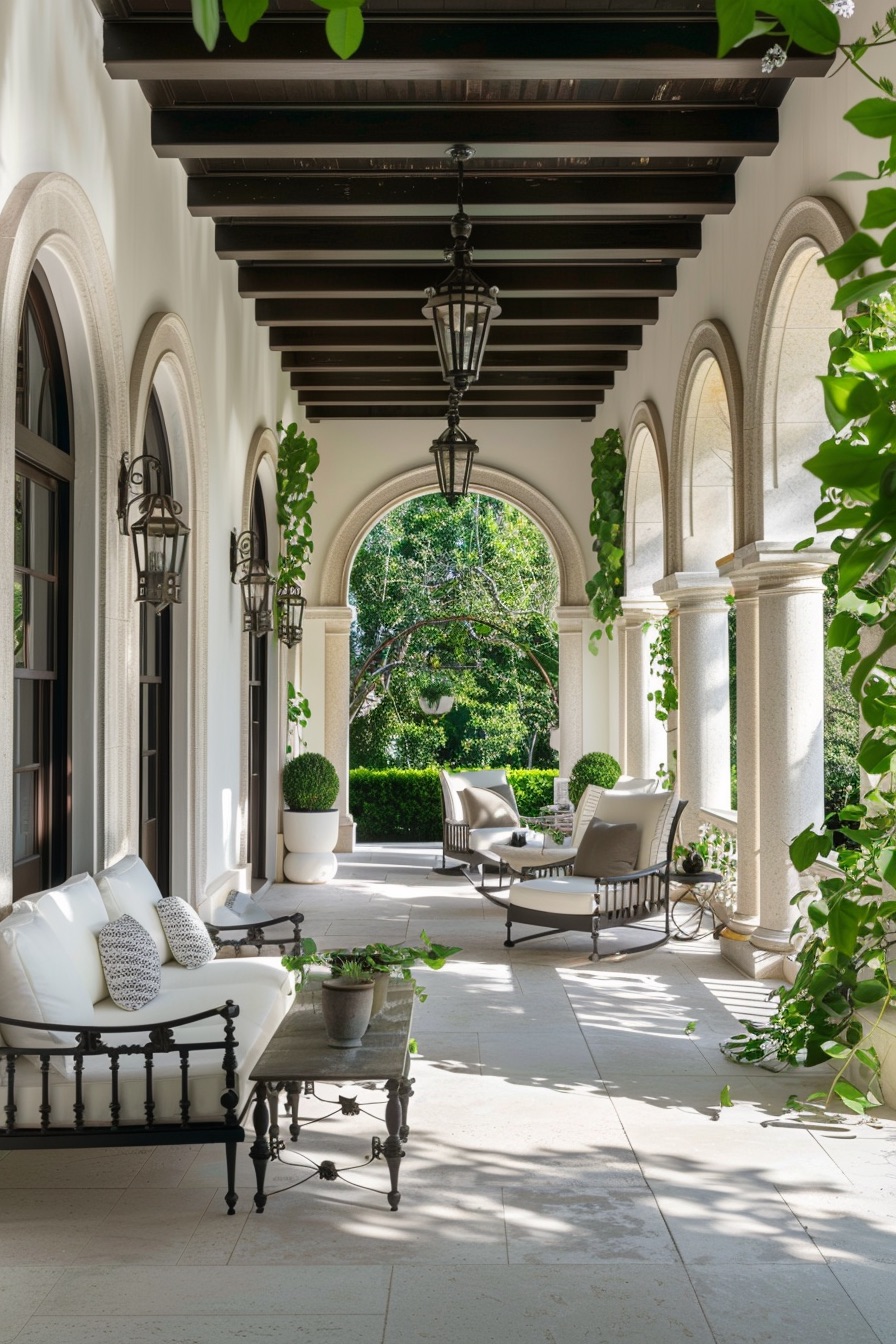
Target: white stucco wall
x=60 y=112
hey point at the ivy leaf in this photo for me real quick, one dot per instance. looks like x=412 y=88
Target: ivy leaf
x=852 y=254
x=844 y=917
x=690 y=1029
x=241 y=14
x=345 y=29
x=805 y=849
x=873 y=116
x=207 y=21
x=725 y=1096
x=852 y=1098
x=868 y=287
x=869 y=991
x=809 y=22
x=736 y=20
x=880 y=209
x=846 y=397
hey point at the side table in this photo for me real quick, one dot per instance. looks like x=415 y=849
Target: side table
x=702 y=889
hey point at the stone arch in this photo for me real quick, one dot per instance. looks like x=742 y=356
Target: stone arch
x=646 y=486
x=707 y=448
x=261 y=464
x=485 y=480
x=48 y=218
x=784 y=415
x=164 y=360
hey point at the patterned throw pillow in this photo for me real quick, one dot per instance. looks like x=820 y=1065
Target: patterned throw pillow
x=131 y=963
x=187 y=935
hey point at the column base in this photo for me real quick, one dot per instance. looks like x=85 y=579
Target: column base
x=752 y=961
x=743 y=924
x=772 y=940
x=347 y=835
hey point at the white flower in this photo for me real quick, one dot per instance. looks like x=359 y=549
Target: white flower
x=773 y=59
x=844 y=9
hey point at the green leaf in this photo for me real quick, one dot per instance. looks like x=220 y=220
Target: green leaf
x=869 y=991
x=805 y=849
x=809 y=22
x=852 y=254
x=873 y=116
x=846 y=397
x=880 y=209
x=836 y=1050
x=844 y=918
x=690 y=1028
x=241 y=14
x=725 y=1096
x=207 y=21
x=736 y=20
x=345 y=29
x=868 y=287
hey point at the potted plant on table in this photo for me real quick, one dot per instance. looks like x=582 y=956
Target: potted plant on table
x=310 y=821
x=381 y=961
x=347 y=1004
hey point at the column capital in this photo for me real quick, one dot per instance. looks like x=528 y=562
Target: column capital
x=570 y=620
x=338 y=620
x=765 y=565
x=693 y=589
x=637 y=610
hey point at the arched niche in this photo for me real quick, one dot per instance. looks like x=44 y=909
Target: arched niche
x=48 y=219
x=164 y=362
x=645 y=503
x=706 y=452
x=261 y=466
x=788 y=347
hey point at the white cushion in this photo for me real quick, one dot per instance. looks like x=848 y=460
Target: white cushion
x=39 y=982
x=187 y=936
x=628 y=784
x=653 y=812
x=558 y=895
x=484 y=837
x=128 y=888
x=76 y=913
x=453 y=785
x=130 y=963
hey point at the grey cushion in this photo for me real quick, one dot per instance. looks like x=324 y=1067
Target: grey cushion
x=608 y=850
x=487 y=807
x=187 y=935
x=131 y=963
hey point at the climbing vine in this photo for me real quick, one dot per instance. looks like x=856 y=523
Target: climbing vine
x=665 y=696
x=607 y=525
x=344 y=23
x=846 y=927
x=297 y=461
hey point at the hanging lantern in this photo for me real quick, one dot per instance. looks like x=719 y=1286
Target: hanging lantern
x=454 y=451
x=255 y=580
x=462 y=308
x=290 y=613
x=158 y=534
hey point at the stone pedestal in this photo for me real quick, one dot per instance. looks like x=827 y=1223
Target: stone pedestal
x=697 y=603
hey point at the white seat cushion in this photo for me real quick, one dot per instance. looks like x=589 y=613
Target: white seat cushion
x=520 y=857
x=560 y=895
x=128 y=888
x=39 y=982
x=484 y=837
x=628 y=784
x=76 y=913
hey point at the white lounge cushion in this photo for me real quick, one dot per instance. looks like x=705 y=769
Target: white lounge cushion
x=39 y=982
x=485 y=837
x=187 y=936
x=128 y=888
x=628 y=784
x=76 y=913
x=454 y=784
x=653 y=812
x=560 y=895
x=130 y=963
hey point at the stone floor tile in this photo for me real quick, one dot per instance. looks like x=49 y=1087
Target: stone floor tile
x=872 y=1288
x=234 y=1290
x=22 y=1290
x=845 y=1224
x=558 y=1304
x=45 y=1227
x=62 y=1168
x=303 y=1329
x=802 y=1304
x=146 y=1227
x=713 y=1224
x=560 y=1053
x=586 y=1227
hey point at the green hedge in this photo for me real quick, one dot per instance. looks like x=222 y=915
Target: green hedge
x=406 y=804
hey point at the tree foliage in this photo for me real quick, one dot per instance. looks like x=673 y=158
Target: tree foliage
x=481 y=560
x=607 y=526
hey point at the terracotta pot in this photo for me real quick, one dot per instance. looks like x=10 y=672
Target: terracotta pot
x=347 y=1008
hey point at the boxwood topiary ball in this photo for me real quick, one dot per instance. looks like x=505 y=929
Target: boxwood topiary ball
x=595 y=767
x=310 y=783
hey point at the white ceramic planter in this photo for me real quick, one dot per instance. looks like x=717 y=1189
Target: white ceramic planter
x=310 y=838
x=436 y=708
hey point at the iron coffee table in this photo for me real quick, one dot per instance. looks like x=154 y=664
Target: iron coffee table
x=298 y=1057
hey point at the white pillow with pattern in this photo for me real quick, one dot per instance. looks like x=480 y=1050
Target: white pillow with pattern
x=131 y=963
x=187 y=936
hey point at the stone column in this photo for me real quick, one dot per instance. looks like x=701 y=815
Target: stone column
x=325 y=681
x=697 y=602
x=570 y=683
x=744 y=579
x=642 y=737
x=791 y=727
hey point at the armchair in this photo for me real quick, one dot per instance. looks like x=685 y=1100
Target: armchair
x=471 y=846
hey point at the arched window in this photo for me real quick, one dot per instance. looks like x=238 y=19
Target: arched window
x=44 y=470
x=258 y=708
x=155 y=695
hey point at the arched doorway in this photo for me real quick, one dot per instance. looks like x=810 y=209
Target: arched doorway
x=44 y=472
x=259 y=653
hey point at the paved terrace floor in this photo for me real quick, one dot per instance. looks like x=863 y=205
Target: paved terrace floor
x=570 y=1177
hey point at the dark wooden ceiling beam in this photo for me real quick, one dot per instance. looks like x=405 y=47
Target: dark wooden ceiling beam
x=445 y=47
x=427 y=361
x=425 y=397
x=520 y=279
x=543 y=313
x=409 y=240
x=339 y=195
x=497 y=131
x=400 y=411
x=404 y=379
x=611 y=342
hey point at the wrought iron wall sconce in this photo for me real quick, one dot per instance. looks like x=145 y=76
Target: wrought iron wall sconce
x=256 y=582
x=462 y=308
x=454 y=451
x=290 y=614
x=158 y=533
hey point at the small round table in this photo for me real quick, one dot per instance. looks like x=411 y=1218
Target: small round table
x=688 y=926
